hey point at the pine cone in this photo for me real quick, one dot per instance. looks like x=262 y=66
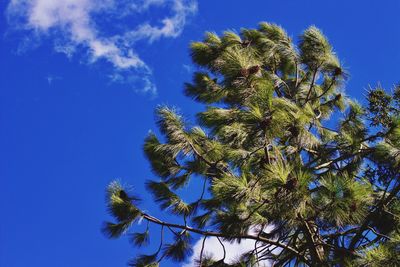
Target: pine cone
x=294 y=131
x=254 y=70
x=123 y=195
x=338 y=71
x=266 y=122
x=291 y=184
x=244 y=72
x=353 y=206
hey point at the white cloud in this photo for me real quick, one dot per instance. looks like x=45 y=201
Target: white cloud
x=75 y=25
x=65 y=48
x=171 y=26
x=233 y=250
x=214 y=249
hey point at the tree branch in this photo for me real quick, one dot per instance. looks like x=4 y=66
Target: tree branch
x=217 y=234
x=311 y=86
x=368 y=218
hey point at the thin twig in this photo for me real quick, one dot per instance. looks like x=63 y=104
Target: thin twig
x=201 y=251
x=223 y=247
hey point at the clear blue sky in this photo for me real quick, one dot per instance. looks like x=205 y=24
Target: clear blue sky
x=72 y=121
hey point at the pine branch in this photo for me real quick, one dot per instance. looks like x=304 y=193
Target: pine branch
x=311 y=86
x=368 y=218
x=317 y=256
x=217 y=234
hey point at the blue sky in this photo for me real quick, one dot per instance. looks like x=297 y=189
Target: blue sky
x=79 y=81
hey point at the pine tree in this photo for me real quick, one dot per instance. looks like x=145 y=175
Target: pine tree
x=279 y=146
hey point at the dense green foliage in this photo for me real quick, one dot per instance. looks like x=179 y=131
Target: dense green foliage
x=279 y=145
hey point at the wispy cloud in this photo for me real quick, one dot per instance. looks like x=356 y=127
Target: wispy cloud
x=51 y=78
x=77 y=26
